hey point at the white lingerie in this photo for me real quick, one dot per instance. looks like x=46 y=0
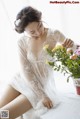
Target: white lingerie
x=41 y=81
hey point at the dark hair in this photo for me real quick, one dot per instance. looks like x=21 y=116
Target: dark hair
x=26 y=16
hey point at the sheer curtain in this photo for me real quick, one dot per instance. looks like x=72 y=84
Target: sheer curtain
x=64 y=17
x=8 y=39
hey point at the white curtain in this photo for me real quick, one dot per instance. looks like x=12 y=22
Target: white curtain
x=8 y=39
x=64 y=17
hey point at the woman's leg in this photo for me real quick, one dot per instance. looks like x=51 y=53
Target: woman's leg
x=18 y=106
x=8 y=95
x=15 y=102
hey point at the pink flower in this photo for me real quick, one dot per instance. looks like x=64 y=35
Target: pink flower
x=77 y=52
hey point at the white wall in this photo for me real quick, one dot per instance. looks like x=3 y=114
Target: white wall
x=66 y=18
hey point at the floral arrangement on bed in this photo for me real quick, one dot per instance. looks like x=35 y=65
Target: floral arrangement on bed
x=64 y=60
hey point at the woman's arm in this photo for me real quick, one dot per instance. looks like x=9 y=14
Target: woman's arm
x=29 y=75
x=28 y=72
x=66 y=42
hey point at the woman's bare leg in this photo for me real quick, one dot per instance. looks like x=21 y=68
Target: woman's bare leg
x=18 y=106
x=8 y=95
x=16 y=103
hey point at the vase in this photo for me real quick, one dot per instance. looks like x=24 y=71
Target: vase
x=77 y=85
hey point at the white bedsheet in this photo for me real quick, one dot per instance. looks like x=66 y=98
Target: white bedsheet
x=69 y=108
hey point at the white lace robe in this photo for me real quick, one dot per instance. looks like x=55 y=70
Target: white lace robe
x=36 y=79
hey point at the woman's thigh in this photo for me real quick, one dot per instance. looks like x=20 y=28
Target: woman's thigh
x=8 y=95
x=18 y=106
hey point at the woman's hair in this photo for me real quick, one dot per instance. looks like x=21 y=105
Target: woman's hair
x=26 y=16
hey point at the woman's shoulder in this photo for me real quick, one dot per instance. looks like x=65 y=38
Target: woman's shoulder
x=23 y=41
x=57 y=35
x=53 y=31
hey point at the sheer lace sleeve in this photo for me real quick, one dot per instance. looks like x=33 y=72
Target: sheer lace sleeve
x=27 y=71
x=58 y=36
x=61 y=38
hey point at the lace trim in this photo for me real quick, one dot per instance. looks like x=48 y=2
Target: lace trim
x=37 y=88
x=33 y=82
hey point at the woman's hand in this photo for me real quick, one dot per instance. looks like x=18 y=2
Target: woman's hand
x=68 y=43
x=47 y=103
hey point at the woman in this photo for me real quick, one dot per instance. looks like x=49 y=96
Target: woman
x=31 y=88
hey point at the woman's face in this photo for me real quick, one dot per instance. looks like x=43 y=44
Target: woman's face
x=35 y=29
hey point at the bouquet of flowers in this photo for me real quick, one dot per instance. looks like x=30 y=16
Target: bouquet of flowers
x=65 y=60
